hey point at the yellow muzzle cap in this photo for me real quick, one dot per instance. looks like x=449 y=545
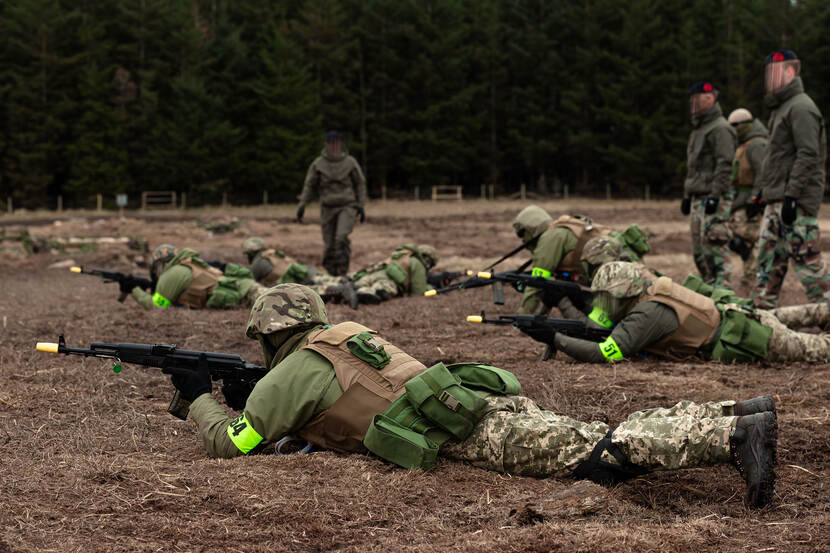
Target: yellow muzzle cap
x=48 y=347
x=474 y=318
x=76 y=269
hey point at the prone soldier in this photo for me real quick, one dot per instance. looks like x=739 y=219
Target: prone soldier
x=404 y=273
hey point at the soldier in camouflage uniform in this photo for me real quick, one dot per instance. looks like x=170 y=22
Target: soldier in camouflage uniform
x=345 y=388
x=707 y=190
x=655 y=315
x=792 y=185
x=745 y=219
x=342 y=189
x=404 y=273
x=557 y=247
x=270 y=267
x=184 y=279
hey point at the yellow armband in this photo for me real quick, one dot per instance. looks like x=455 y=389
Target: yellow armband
x=610 y=350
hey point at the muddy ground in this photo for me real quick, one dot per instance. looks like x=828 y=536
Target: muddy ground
x=93 y=462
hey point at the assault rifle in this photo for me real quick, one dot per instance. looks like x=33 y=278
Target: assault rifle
x=125 y=281
x=440 y=280
x=238 y=377
x=552 y=290
x=544 y=329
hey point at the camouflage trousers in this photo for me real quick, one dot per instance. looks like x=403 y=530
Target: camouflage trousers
x=320 y=282
x=256 y=289
x=337 y=224
x=749 y=230
x=517 y=437
x=777 y=245
x=710 y=236
x=787 y=345
x=377 y=281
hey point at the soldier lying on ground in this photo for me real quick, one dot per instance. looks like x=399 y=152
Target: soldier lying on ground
x=557 y=247
x=404 y=273
x=345 y=388
x=270 y=267
x=655 y=315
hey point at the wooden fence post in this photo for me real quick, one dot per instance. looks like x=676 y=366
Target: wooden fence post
x=99 y=202
x=60 y=203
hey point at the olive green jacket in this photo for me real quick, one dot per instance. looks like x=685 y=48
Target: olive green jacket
x=794 y=164
x=553 y=245
x=709 y=155
x=755 y=152
x=338 y=181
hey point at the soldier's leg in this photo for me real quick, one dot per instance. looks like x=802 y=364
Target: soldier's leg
x=256 y=289
x=328 y=224
x=342 y=244
x=712 y=409
x=805 y=244
x=789 y=346
x=715 y=249
x=748 y=230
x=376 y=284
x=773 y=257
x=696 y=226
x=803 y=316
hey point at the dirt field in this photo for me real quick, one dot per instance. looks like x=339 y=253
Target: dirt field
x=93 y=462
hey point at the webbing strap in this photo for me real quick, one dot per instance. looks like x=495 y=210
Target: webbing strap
x=603 y=472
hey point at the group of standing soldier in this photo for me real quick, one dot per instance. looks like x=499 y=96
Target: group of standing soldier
x=758 y=191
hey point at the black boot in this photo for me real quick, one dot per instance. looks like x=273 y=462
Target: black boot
x=755 y=405
x=350 y=295
x=753 y=448
x=368 y=298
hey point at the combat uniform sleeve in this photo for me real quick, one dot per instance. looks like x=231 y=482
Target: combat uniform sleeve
x=552 y=246
x=141 y=296
x=286 y=399
x=312 y=182
x=172 y=283
x=417 y=278
x=570 y=311
x=806 y=133
x=359 y=181
x=755 y=154
x=722 y=141
x=644 y=325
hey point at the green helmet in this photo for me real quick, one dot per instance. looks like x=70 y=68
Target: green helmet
x=285 y=306
x=429 y=254
x=619 y=279
x=531 y=222
x=253 y=246
x=601 y=249
x=164 y=251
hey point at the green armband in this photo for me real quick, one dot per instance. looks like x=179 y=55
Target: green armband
x=242 y=434
x=161 y=301
x=610 y=350
x=540 y=272
x=598 y=316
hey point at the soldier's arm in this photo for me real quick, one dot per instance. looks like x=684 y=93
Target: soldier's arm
x=570 y=311
x=722 y=141
x=285 y=400
x=312 y=179
x=170 y=286
x=417 y=278
x=806 y=132
x=552 y=246
x=647 y=323
x=141 y=296
x=359 y=181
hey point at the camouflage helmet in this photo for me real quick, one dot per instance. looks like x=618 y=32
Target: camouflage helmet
x=429 y=254
x=601 y=249
x=620 y=279
x=285 y=306
x=253 y=246
x=164 y=251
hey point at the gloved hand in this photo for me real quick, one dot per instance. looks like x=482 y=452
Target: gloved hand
x=362 y=214
x=126 y=285
x=300 y=213
x=686 y=206
x=711 y=205
x=191 y=384
x=754 y=207
x=788 y=211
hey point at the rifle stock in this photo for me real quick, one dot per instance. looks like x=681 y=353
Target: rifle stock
x=544 y=329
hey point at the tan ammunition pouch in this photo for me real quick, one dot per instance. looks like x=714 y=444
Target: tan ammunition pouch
x=697 y=315
x=367 y=391
x=584 y=230
x=280 y=264
x=205 y=279
x=746 y=176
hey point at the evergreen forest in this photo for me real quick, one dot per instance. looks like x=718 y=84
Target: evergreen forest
x=213 y=97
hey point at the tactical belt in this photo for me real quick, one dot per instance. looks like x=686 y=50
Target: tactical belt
x=603 y=472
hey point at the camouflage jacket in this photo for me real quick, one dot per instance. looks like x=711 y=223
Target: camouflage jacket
x=338 y=181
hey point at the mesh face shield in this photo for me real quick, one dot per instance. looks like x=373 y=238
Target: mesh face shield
x=778 y=74
x=334 y=146
x=614 y=308
x=698 y=103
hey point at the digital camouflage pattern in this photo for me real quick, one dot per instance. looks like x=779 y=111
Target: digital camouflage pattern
x=377 y=283
x=515 y=436
x=789 y=346
x=710 y=236
x=285 y=306
x=252 y=246
x=802 y=316
x=750 y=231
x=619 y=279
x=777 y=245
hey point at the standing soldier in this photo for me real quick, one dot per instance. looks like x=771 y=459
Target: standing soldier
x=745 y=219
x=337 y=178
x=792 y=185
x=707 y=190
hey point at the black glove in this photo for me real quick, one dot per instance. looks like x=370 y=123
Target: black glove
x=300 y=213
x=191 y=383
x=754 y=207
x=126 y=285
x=711 y=205
x=362 y=214
x=686 y=206
x=788 y=211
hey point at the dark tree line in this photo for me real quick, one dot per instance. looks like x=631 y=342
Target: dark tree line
x=233 y=96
